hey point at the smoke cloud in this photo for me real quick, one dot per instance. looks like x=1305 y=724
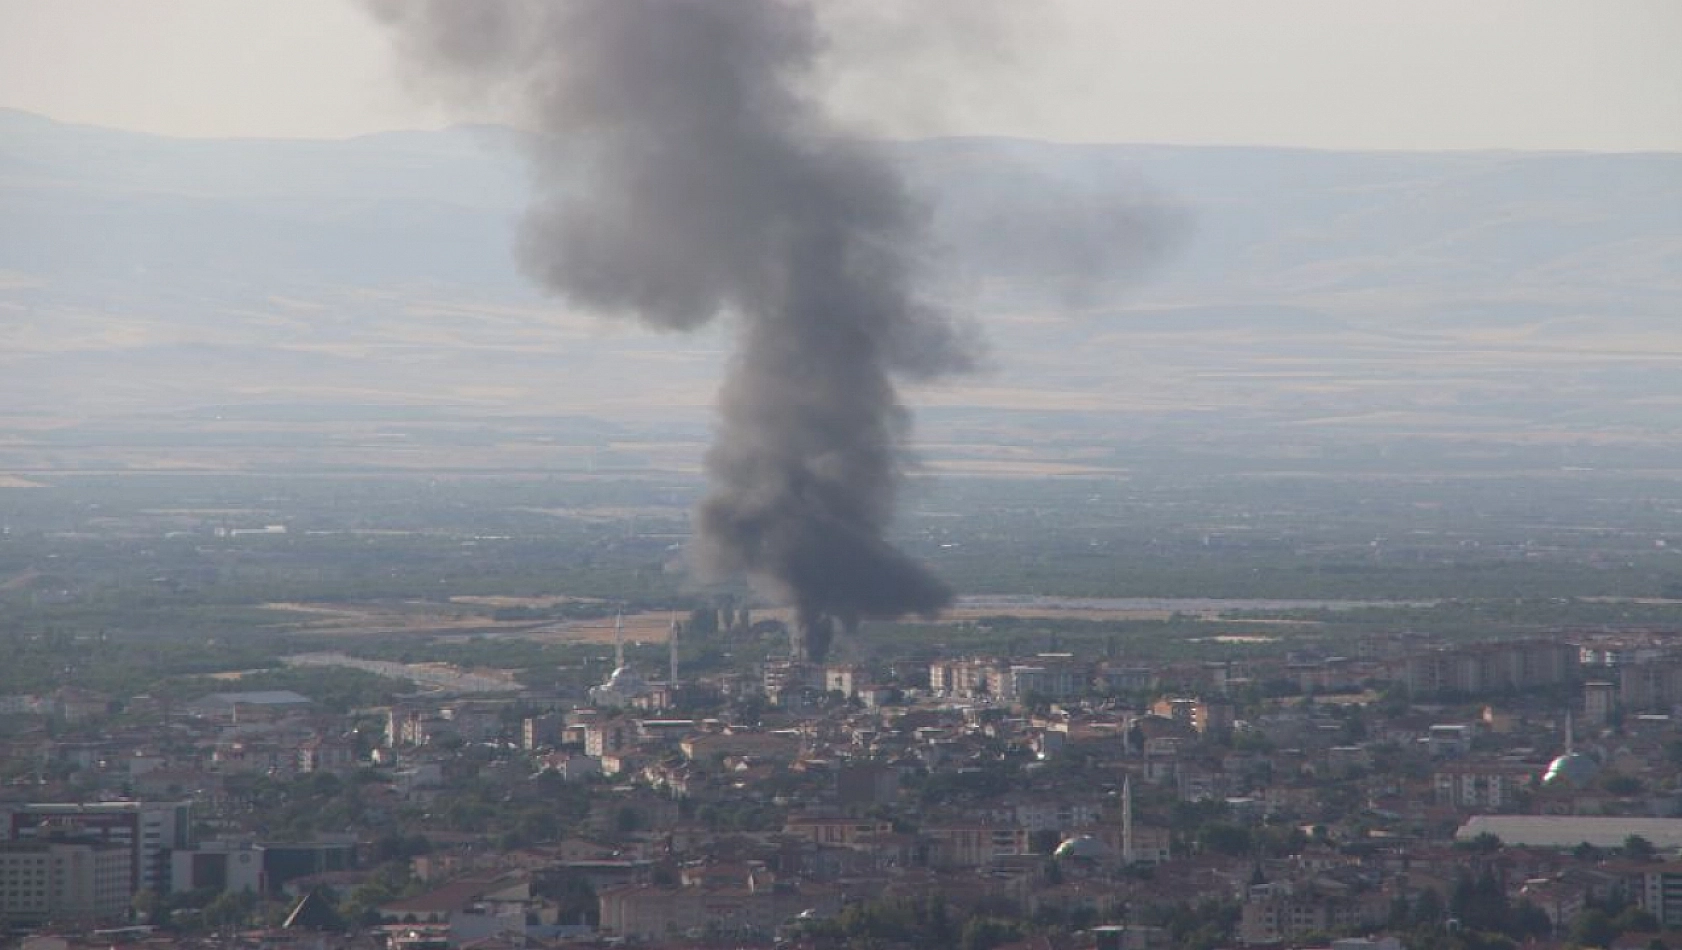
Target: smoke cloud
x=684 y=169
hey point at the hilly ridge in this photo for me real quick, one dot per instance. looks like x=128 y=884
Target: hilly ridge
x=1264 y=301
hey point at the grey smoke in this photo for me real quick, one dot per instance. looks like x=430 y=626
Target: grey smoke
x=683 y=170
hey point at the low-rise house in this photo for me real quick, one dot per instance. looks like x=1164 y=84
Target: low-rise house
x=332 y=754
x=751 y=904
x=835 y=830
x=1274 y=914
x=759 y=745
x=467 y=909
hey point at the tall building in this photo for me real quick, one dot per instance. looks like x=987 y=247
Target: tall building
x=1658 y=890
x=1209 y=717
x=786 y=679
x=147 y=831
x=1650 y=687
x=1600 y=700
x=961 y=679
x=1503 y=667
x=63 y=880
x=1050 y=676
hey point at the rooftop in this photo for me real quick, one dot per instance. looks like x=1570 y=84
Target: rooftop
x=1568 y=831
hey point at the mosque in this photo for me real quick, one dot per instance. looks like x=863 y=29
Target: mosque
x=1571 y=769
x=624 y=687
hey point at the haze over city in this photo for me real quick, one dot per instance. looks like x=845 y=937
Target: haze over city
x=977 y=475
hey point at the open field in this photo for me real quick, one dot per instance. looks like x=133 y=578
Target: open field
x=351 y=620
x=450 y=622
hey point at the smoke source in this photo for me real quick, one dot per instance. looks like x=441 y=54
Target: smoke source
x=683 y=169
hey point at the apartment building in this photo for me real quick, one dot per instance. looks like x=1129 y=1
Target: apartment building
x=1503 y=667
x=1481 y=786
x=1650 y=687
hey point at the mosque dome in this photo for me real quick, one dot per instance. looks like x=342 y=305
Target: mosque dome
x=1571 y=770
x=1084 y=846
x=625 y=681
x=622 y=686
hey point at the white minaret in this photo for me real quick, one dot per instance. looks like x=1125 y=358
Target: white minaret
x=619 y=640
x=1127 y=821
x=671 y=648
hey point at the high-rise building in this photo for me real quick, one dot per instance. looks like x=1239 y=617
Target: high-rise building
x=63 y=880
x=148 y=831
x=1501 y=667
x=1599 y=702
x=1650 y=687
x=1050 y=676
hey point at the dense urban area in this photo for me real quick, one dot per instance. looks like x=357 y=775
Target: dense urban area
x=1186 y=712
x=635 y=501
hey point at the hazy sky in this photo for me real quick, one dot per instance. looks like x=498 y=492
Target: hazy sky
x=1584 y=74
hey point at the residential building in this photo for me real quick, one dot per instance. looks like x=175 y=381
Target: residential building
x=1273 y=915
x=1483 y=786
x=333 y=754
x=973 y=844
x=1657 y=888
x=1048 y=676
x=1208 y=717
x=646 y=912
x=835 y=831
x=961 y=679
x=1500 y=667
x=1650 y=687
x=1600 y=700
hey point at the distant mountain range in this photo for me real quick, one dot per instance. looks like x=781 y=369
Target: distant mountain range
x=1129 y=291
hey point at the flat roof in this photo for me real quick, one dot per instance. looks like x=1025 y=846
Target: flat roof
x=262 y=697
x=1568 y=831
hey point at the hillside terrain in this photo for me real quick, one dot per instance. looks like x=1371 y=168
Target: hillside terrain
x=354 y=304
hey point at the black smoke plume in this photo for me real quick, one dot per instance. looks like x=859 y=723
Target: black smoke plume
x=684 y=169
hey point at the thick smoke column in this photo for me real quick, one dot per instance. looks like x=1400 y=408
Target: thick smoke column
x=684 y=170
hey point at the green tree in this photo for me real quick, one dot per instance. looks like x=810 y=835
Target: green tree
x=1428 y=909
x=1224 y=838
x=230 y=909
x=985 y=933
x=1480 y=903
x=1619 y=784
x=1485 y=843
x=1528 y=920
x=943 y=931
x=1043 y=841
x=1592 y=928
x=1635 y=919
x=361 y=906
x=149 y=906
x=1637 y=848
